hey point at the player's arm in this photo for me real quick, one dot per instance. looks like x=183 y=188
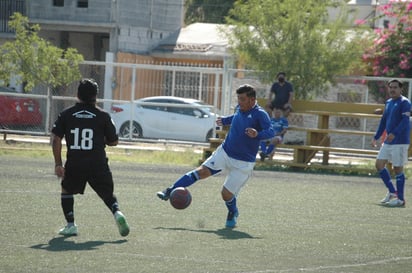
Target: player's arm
x=267 y=131
x=270 y=96
x=381 y=128
x=57 y=154
x=110 y=136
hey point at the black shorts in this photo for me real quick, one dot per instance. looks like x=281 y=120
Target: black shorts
x=95 y=172
x=273 y=106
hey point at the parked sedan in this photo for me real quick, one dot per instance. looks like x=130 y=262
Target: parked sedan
x=18 y=111
x=164 y=117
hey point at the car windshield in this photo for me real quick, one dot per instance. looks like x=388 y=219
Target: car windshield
x=4 y=89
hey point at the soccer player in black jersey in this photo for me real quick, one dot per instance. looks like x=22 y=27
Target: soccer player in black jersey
x=87 y=129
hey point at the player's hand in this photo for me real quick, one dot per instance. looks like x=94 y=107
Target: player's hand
x=373 y=143
x=250 y=132
x=59 y=171
x=390 y=137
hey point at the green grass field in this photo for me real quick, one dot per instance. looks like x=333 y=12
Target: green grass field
x=289 y=222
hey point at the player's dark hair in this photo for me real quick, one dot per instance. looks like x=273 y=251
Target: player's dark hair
x=87 y=90
x=395 y=80
x=281 y=73
x=248 y=89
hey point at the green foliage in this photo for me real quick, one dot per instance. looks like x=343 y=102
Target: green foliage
x=36 y=61
x=296 y=37
x=390 y=54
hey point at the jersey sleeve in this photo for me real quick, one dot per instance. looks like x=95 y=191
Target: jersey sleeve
x=110 y=129
x=267 y=131
x=58 y=126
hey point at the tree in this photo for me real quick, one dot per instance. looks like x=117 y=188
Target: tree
x=296 y=37
x=35 y=61
x=390 y=55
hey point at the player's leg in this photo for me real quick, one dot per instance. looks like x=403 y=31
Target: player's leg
x=213 y=165
x=400 y=157
x=69 y=186
x=263 y=147
x=380 y=164
x=102 y=184
x=234 y=182
x=67 y=204
x=187 y=180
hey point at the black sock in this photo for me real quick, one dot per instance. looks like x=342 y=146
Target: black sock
x=67 y=202
x=112 y=204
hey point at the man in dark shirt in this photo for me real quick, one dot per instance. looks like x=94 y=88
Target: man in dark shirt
x=280 y=95
x=87 y=130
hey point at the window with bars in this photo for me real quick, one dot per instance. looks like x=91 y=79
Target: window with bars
x=83 y=3
x=58 y=3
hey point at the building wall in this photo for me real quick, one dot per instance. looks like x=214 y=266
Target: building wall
x=132 y=26
x=98 y=11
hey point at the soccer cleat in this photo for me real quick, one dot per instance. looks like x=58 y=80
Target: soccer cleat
x=389 y=196
x=395 y=203
x=69 y=230
x=121 y=223
x=164 y=195
x=232 y=219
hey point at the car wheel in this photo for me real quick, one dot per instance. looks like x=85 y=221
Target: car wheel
x=137 y=131
x=209 y=135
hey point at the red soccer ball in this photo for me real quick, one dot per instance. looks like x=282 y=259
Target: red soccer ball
x=180 y=198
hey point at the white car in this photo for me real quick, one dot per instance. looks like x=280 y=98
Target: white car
x=164 y=117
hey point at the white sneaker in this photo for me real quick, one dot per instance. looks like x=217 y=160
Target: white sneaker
x=121 y=223
x=69 y=230
x=395 y=203
x=389 y=196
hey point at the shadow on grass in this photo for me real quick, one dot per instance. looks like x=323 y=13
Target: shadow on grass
x=60 y=244
x=223 y=233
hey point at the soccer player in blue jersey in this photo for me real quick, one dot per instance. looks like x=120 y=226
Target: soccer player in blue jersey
x=395 y=121
x=249 y=125
x=280 y=125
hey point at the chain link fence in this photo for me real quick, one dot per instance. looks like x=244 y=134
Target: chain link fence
x=34 y=112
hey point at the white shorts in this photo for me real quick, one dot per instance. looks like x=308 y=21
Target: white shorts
x=238 y=171
x=397 y=154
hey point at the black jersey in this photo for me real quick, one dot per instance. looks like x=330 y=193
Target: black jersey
x=86 y=129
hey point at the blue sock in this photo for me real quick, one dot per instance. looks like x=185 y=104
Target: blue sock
x=270 y=149
x=386 y=178
x=186 y=180
x=263 y=147
x=400 y=185
x=231 y=204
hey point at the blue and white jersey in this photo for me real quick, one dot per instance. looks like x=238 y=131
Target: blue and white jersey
x=237 y=144
x=395 y=120
x=279 y=124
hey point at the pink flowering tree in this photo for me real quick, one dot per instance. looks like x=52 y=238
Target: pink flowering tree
x=391 y=52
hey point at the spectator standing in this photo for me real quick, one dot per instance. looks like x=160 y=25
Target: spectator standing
x=280 y=95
